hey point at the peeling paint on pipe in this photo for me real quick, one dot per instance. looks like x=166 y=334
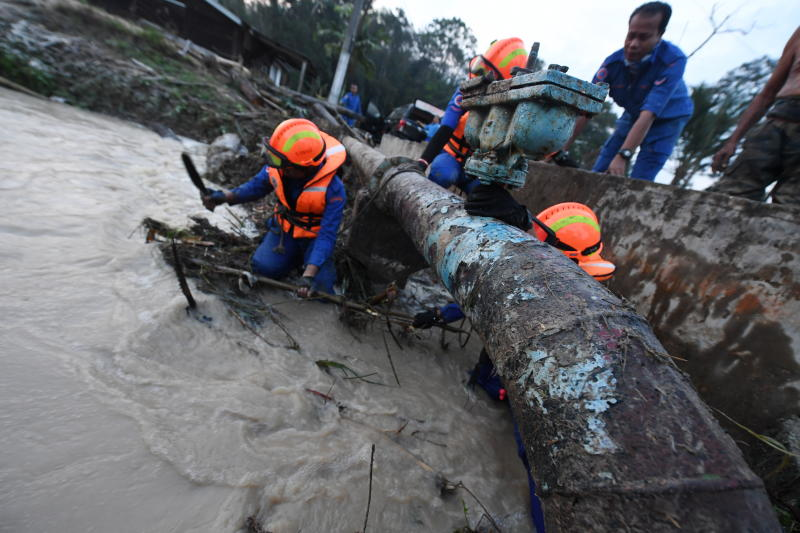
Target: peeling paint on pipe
x=617 y=437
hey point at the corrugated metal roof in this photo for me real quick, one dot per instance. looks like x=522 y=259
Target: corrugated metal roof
x=219 y=7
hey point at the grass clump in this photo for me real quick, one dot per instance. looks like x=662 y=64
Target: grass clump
x=19 y=71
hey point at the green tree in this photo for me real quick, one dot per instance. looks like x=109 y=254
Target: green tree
x=448 y=44
x=587 y=146
x=392 y=63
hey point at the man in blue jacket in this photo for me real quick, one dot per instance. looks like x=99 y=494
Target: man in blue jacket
x=352 y=101
x=645 y=78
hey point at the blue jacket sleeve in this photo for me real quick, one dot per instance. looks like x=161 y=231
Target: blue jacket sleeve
x=664 y=86
x=255 y=189
x=453 y=112
x=325 y=241
x=451 y=312
x=606 y=68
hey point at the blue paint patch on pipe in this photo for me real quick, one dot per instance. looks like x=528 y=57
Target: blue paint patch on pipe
x=481 y=239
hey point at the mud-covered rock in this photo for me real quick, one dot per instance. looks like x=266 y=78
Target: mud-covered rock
x=224 y=148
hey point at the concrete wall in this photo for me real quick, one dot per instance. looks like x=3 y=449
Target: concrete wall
x=717 y=277
x=391 y=145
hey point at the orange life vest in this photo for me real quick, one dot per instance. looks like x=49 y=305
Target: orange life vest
x=305 y=219
x=457 y=145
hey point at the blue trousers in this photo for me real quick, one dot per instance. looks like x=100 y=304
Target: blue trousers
x=268 y=262
x=654 y=150
x=447 y=171
x=485 y=377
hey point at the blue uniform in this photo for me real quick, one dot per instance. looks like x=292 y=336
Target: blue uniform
x=485 y=376
x=654 y=84
x=430 y=130
x=298 y=251
x=445 y=169
x=353 y=103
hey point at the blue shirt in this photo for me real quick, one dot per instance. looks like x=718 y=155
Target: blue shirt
x=430 y=131
x=352 y=102
x=259 y=186
x=654 y=84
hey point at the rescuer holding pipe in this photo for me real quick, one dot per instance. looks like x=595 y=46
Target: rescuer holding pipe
x=645 y=78
x=574 y=229
x=772 y=151
x=448 y=150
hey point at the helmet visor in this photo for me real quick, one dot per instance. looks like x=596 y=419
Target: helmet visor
x=553 y=240
x=273 y=158
x=480 y=66
x=276 y=159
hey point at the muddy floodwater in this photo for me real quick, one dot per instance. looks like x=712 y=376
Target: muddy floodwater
x=119 y=412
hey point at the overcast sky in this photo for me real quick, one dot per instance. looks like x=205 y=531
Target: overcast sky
x=581 y=33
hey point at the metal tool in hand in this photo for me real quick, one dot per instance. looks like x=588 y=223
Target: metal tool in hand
x=193 y=174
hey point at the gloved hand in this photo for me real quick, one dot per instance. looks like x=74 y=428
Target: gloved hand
x=415 y=165
x=305 y=287
x=426 y=319
x=495 y=201
x=563 y=159
x=213 y=199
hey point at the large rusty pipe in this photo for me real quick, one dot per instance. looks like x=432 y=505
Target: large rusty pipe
x=617 y=437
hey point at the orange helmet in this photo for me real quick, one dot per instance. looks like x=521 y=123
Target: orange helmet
x=573 y=228
x=500 y=58
x=296 y=141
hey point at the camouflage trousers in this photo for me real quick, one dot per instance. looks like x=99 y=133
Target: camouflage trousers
x=771 y=154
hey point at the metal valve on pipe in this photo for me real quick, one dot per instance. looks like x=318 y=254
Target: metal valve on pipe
x=525 y=117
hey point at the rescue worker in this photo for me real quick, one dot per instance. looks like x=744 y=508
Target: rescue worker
x=447 y=167
x=571 y=227
x=772 y=151
x=574 y=229
x=352 y=101
x=645 y=78
x=301 y=165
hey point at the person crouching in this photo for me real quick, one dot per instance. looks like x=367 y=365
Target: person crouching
x=301 y=165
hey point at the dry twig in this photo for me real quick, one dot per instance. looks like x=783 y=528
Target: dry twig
x=369 y=497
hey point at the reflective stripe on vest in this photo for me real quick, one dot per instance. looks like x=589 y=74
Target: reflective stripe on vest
x=457 y=145
x=305 y=219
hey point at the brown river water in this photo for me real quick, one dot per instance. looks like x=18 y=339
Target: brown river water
x=119 y=412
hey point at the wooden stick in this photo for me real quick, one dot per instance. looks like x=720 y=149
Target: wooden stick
x=247 y=326
x=369 y=497
x=335 y=298
x=182 y=277
x=389 y=355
